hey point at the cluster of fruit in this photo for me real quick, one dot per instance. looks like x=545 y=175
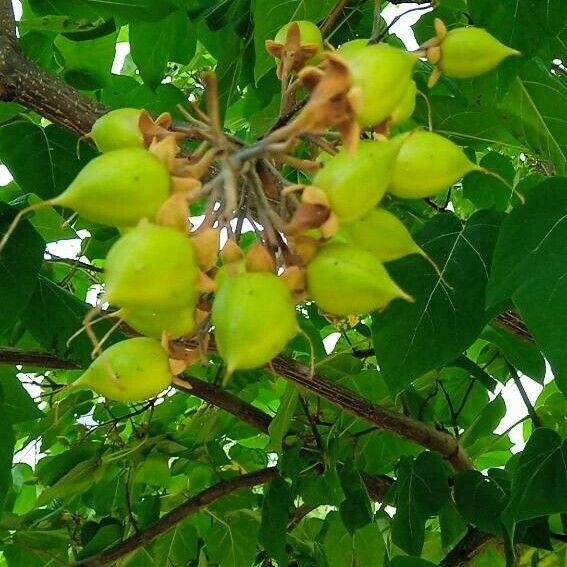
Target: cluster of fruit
x=167 y=281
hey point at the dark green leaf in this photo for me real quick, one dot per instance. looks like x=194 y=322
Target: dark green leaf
x=9 y=110
x=487 y=192
x=127 y=92
x=421 y=490
x=233 y=542
x=475 y=370
x=322 y=489
x=356 y=508
x=529 y=266
x=20 y=556
x=453 y=526
x=87 y=64
x=50 y=469
x=280 y=424
x=17 y=405
x=153 y=45
x=20 y=262
x=53 y=315
x=41 y=539
x=533 y=107
x=539 y=484
x=278 y=502
x=343 y=549
x=469 y=123
x=480 y=499
x=131 y=10
x=379 y=451
x=485 y=422
x=7 y=442
x=79 y=479
x=523 y=355
x=105 y=536
x=525 y=24
x=54 y=151
x=178 y=546
x=400 y=561
x=413 y=338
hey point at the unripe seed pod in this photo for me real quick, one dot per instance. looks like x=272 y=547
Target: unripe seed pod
x=427 y=164
x=254 y=318
x=382 y=74
x=469 y=52
x=309 y=34
x=151 y=268
x=355 y=183
x=383 y=234
x=118 y=129
x=351 y=48
x=133 y=370
x=344 y=279
x=118 y=188
x=405 y=107
x=177 y=322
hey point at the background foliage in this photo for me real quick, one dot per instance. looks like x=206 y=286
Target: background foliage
x=321 y=478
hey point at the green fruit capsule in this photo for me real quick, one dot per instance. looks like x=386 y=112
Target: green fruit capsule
x=309 y=34
x=383 y=234
x=351 y=48
x=356 y=183
x=254 y=318
x=469 y=52
x=382 y=75
x=133 y=370
x=427 y=164
x=405 y=107
x=344 y=279
x=118 y=129
x=118 y=188
x=151 y=268
x=177 y=323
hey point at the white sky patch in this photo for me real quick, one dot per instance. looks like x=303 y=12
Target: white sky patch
x=402 y=28
x=5 y=176
x=17 y=9
x=122 y=50
x=69 y=248
x=330 y=342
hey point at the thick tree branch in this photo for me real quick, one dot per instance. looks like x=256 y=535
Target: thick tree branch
x=24 y=82
x=34 y=359
x=8 y=22
x=513 y=323
x=333 y=16
x=467 y=548
x=224 y=400
x=172 y=518
x=397 y=423
x=377 y=486
x=37 y=90
x=189 y=384
x=348 y=401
